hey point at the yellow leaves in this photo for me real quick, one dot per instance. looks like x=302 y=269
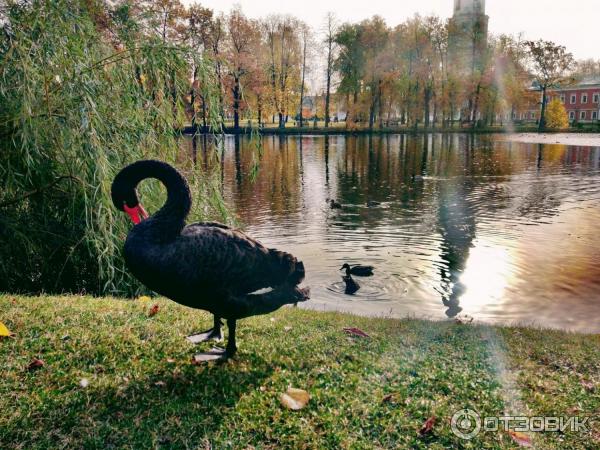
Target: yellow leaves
x=4 y=332
x=294 y=399
x=556 y=115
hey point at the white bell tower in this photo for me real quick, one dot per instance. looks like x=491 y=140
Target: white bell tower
x=462 y=7
x=468 y=32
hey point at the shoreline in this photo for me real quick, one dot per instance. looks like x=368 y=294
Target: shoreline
x=296 y=131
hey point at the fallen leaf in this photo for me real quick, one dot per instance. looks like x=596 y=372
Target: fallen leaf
x=153 y=311
x=5 y=332
x=294 y=399
x=287 y=328
x=272 y=319
x=356 y=332
x=427 y=426
x=588 y=385
x=520 y=438
x=160 y=384
x=390 y=398
x=84 y=382
x=170 y=361
x=144 y=298
x=35 y=364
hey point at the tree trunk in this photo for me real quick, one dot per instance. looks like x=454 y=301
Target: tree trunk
x=236 y=103
x=302 y=85
x=542 y=124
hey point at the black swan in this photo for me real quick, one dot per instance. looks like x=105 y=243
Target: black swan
x=351 y=286
x=203 y=265
x=360 y=271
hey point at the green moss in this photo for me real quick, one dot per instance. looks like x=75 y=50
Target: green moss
x=145 y=392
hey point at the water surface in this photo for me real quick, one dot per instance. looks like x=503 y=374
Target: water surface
x=502 y=231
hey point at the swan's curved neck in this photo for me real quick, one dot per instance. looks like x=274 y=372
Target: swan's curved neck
x=168 y=222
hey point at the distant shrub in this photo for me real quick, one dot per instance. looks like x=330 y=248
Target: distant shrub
x=556 y=115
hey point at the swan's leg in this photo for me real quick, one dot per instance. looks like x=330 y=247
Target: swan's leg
x=231 y=348
x=218 y=354
x=213 y=334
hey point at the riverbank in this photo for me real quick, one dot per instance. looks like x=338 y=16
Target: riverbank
x=341 y=130
x=114 y=376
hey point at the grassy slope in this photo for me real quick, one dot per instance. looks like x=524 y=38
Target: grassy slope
x=144 y=392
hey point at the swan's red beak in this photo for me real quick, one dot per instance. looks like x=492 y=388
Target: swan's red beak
x=136 y=214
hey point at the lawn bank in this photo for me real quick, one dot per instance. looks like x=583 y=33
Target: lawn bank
x=143 y=390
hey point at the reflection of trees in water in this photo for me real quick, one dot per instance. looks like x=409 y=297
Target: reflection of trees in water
x=433 y=185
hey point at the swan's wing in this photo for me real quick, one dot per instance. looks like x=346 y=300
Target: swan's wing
x=206 y=224
x=223 y=257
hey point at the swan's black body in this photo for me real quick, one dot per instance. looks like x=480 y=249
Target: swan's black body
x=203 y=265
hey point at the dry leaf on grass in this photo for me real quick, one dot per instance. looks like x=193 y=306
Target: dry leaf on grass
x=153 y=311
x=390 y=398
x=35 y=364
x=84 y=382
x=588 y=385
x=5 y=332
x=356 y=332
x=520 y=438
x=294 y=399
x=427 y=427
x=144 y=298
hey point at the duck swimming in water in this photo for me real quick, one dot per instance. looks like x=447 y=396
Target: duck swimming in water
x=204 y=265
x=335 y=205
x=358 y=270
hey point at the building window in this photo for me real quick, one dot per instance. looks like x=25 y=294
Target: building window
x=594 y=115
x=596 y=98
x=573 y=99
x=582 y=115
x=562 y=98
x=572 y=115
x=583 y=98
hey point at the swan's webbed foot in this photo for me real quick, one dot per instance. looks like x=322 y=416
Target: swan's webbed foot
x=215 y=354
x=214 y=334
x=218 y=354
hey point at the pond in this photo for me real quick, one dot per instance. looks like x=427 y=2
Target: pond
x=483 y=227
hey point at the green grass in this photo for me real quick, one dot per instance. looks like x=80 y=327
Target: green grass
x=144 y=391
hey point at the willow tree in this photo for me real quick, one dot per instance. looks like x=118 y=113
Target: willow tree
x=78 y=102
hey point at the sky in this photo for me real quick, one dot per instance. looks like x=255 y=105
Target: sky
x=574 y=24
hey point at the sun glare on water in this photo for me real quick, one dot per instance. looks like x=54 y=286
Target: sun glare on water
x=488 y=273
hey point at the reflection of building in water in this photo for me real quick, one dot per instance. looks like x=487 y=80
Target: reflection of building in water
x=467 y=36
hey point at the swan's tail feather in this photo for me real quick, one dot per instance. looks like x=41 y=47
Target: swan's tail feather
x=292 y=270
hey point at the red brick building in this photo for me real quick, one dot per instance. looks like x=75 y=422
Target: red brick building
x=581 y=100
